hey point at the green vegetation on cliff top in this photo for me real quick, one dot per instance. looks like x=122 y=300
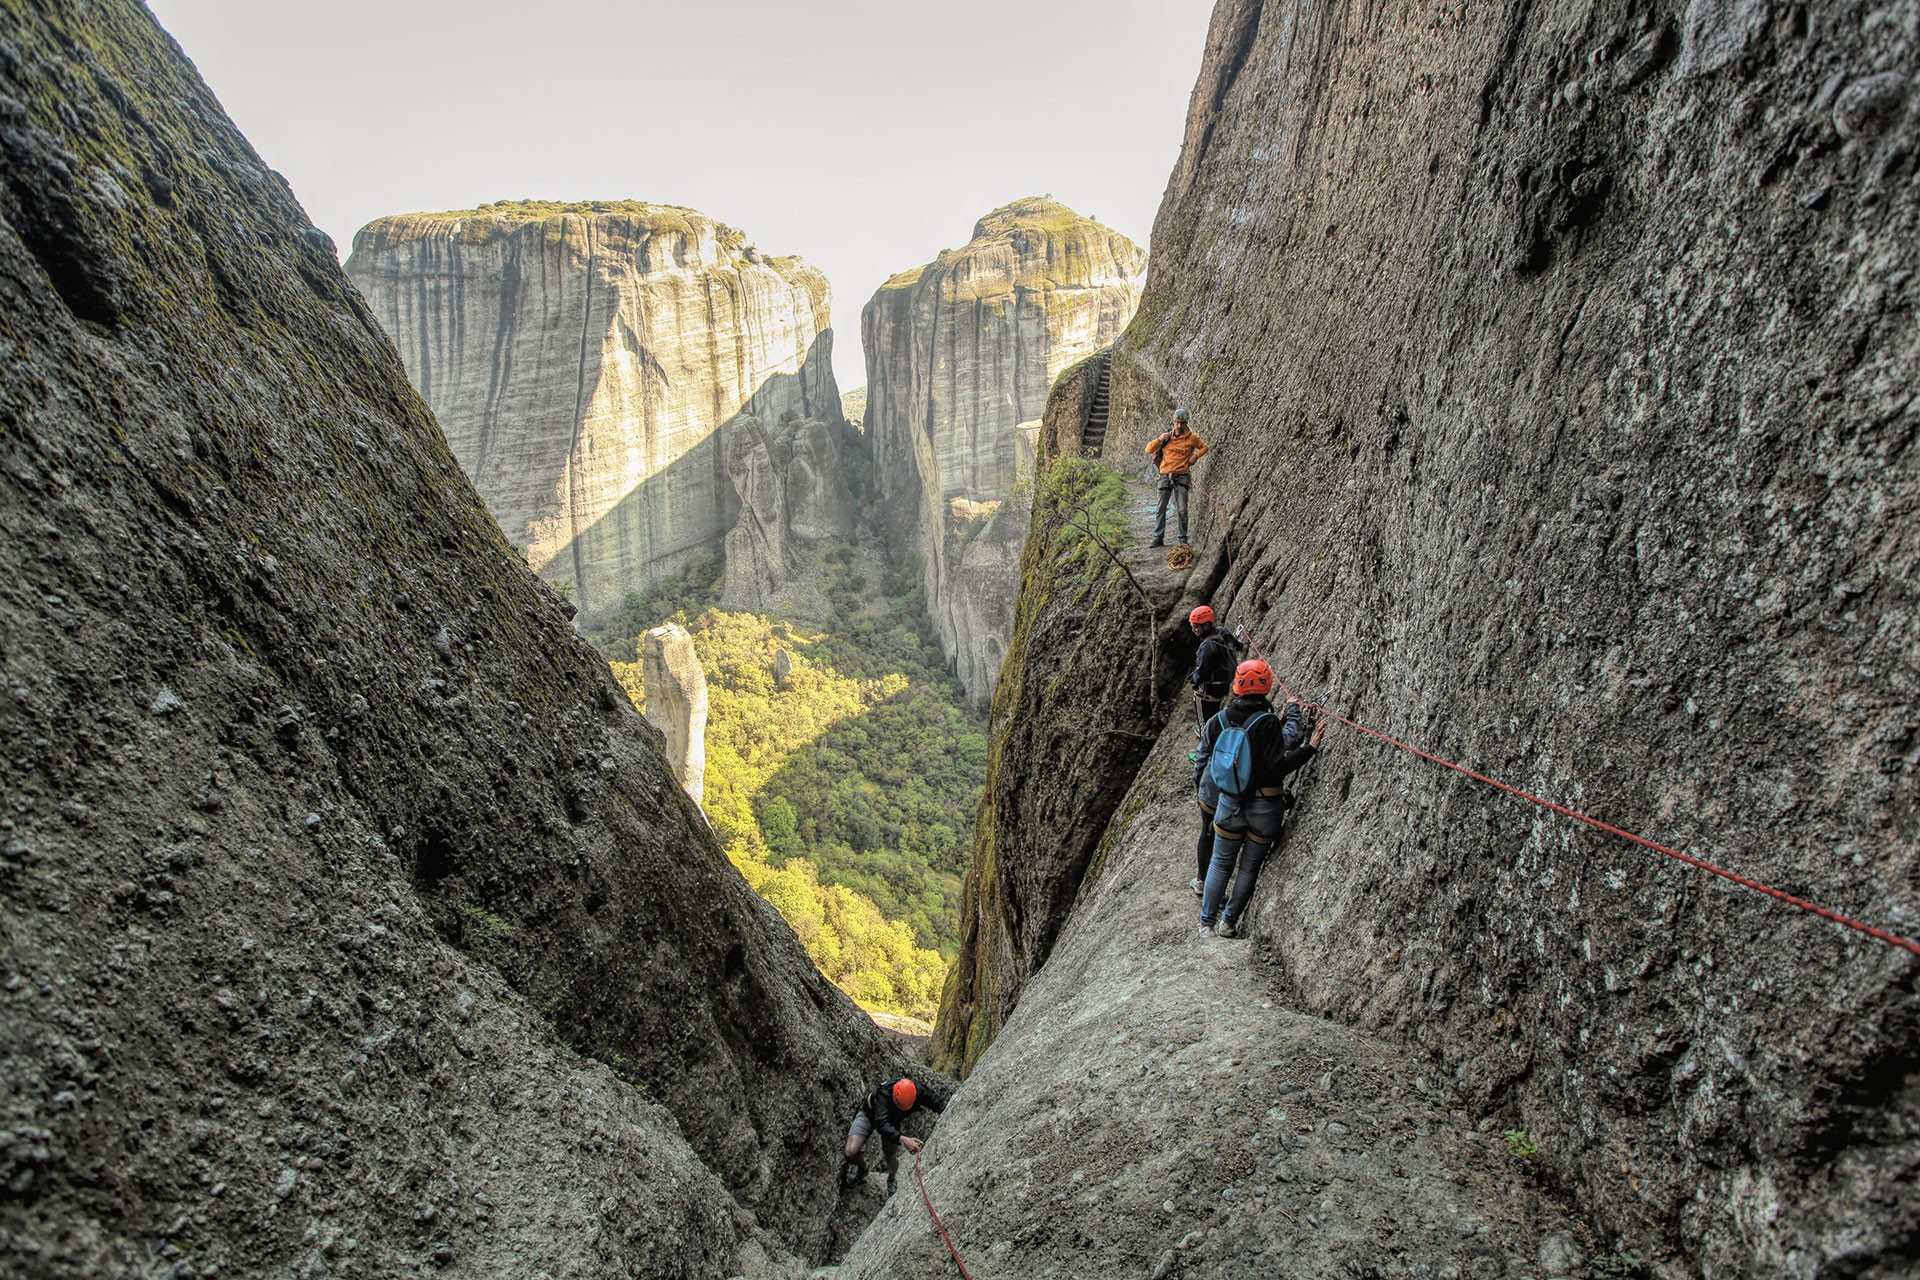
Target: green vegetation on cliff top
x=540 y=210
x=1036 y=213
x=1039 y=218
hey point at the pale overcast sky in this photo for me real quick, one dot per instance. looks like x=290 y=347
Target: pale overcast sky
x=864 y=135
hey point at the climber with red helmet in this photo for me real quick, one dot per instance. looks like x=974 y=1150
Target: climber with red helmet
x=1246 y=753
x=883 y=1111
x=1213 y=661
x=1211 y=677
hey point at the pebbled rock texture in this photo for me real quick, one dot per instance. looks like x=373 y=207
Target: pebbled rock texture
x=960 y=354
x=1559 y=361
x=677 y=703
x=585 y=362
x=352 y=921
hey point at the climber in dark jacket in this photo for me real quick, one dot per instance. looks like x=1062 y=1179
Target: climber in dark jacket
x=1213 y=662
x=1211 y=678
x=1252 y=817
x=883 y=1111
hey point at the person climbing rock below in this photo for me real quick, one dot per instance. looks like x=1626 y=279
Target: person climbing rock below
x=1176 y=450
x=1211 y=678
x=883 y=1111
x=1244 y=758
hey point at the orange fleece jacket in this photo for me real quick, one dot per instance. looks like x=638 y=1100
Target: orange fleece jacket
x=1179 y=453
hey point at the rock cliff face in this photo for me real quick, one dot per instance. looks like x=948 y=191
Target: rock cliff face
x=791 y=485
x=352 y=921
x=960 y=354
x=584 y=362
x=677 y=703
x=1558 y=363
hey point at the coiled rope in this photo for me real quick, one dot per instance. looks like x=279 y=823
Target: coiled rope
x=1732 y=877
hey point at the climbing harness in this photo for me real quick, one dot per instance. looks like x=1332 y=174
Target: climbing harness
x=936 y=1218
x=1733 y=877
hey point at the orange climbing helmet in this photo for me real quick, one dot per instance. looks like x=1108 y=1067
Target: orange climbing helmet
x=904 y=1094
x=1202 y=614
x=1252 y=676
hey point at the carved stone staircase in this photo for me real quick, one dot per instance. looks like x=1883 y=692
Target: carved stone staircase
x=1093 y=432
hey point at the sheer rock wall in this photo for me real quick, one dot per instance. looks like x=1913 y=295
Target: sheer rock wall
x=791 y=483
x=1558 y=361
x=584 y=366
x=960 y=355
x=349 y=918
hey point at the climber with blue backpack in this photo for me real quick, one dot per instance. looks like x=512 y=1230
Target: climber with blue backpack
x=1214 y=660
x=1246 y=753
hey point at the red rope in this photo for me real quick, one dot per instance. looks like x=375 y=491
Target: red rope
x=1825 y=913
x=936 y=1218
x=1814 y=907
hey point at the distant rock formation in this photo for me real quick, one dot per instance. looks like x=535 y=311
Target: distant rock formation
x=960 y=355
x=677 y=702
x=790 y=482
x=584 y=361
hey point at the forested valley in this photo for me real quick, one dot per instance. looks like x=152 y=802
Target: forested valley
x=845 y=791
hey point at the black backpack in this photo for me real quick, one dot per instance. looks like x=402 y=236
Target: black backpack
x=1213 y=665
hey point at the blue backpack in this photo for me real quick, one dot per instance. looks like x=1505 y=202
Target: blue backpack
x=1231 y=765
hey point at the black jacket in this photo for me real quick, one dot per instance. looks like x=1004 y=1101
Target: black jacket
x=1276 y=740
x=888 y=1118
x=1213 y=664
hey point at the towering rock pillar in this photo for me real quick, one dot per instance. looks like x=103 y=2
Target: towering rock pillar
x=584 y=362
x=960 y=354
x=677 y=702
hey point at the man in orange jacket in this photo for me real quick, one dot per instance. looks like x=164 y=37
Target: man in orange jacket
x=1176 y=450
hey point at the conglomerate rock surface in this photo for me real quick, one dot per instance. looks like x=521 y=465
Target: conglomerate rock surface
x=960 y=355
x=350 y=921
x=585 y=361
x=1558 y=361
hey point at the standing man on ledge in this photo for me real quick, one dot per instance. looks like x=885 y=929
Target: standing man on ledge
x=1176 y=450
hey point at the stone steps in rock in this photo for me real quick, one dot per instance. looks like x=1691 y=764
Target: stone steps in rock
x=1093 y=432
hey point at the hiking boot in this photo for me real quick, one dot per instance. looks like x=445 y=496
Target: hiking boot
x=1198 y=886
x=1227 y=929
x=892 y=1183
x=1157 y=542
x=1206 y=930
x=853 y=1175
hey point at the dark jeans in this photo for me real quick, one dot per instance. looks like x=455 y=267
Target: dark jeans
x=1174 y=487
x=1244 y=832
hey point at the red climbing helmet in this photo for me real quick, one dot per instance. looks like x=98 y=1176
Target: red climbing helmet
x=1252 y=676
x=1202 y=614
x=904 y=1094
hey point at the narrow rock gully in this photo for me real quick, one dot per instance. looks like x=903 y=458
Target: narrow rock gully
x=1151 y=1109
